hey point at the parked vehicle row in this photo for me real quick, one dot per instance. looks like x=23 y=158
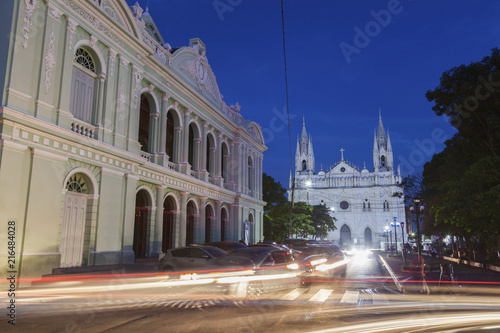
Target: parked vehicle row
x=256 y=267
x=253 y=270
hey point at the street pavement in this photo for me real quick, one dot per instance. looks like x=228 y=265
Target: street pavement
x=432 y=278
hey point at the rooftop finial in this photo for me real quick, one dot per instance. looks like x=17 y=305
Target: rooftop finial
x=379 y=114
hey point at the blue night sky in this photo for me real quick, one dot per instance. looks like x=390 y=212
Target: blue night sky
x=338 y=95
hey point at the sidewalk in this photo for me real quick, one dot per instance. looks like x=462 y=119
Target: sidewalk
x=415 y=281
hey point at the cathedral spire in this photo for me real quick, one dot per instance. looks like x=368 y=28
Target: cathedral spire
x=304 y=157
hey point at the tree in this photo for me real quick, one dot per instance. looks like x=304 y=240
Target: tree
x=306 y=220
x=462 y=182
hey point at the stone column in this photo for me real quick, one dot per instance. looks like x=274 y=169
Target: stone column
x=101 y=84
x=162 y=158
x=218 y=158
x=196 y=151
x=217 y=226
x=178 y=145
x=158 y=228
x=153 y=132
x=201 y=226
x=183 y=220
x=185 y=143
x=203 y=168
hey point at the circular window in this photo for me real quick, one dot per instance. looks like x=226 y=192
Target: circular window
x=342 y=169
x=344 y=205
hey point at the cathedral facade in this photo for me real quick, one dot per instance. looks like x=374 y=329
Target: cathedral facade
x=364 y=203
x=115 y=146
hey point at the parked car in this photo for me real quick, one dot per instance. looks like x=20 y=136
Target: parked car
x=227 y=246
x=273 y=268
x=190 y=258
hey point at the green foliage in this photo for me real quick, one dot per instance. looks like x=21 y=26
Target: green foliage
x=307 y=220
x=462 y=183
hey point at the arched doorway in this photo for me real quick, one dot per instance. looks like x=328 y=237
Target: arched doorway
x=169 y=210
x=223 y=224
x=368 y=236
x=190 y=222
x=142 y=204
x=209 y=223
x=345 y=235
x=78 y=187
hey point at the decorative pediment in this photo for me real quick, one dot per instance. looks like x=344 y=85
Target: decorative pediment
x=192 y=64
x=119 y=12
x=343 y=168
x=255 y=131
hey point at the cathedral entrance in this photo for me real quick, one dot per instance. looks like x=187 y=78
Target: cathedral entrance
x=345 y=235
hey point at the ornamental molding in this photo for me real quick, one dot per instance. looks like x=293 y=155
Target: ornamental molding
x=137 y=79
x=71 y=26
x=161 y=53
x=165 y=97
x=121 y=101
x=29 y=8
x=92 y=41
x=112 y=57
x=93 y=20
x=50 y=60
x=199 y=69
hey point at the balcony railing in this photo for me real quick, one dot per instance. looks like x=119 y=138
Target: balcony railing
x=145 y=155
x=83 y=129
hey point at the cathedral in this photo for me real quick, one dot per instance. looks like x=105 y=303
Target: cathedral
x=363 y=202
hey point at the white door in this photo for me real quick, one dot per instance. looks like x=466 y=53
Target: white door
x=73 y=228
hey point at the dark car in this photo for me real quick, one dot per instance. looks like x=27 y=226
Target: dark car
x=227 y=246
x=190 y=258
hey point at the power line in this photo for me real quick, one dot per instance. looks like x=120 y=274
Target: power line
x=288 y=117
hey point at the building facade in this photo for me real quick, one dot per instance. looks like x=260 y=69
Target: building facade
x=364 y=203
x=114 y=145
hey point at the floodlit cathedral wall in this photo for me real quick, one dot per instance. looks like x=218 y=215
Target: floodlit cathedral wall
x=364 y=203
x=114 y=146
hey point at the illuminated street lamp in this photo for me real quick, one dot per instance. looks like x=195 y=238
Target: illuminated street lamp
x=418 y=207
x=395 y=224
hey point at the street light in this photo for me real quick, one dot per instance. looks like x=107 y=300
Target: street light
x=395 y=224
x=418 y=207
x=389 y=231
x=386 y=233
x=403 y=250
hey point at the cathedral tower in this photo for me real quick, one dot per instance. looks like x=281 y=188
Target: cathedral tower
x=304 y=156
x=382 y=149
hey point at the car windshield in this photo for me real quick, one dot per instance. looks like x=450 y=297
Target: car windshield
x=215 y=252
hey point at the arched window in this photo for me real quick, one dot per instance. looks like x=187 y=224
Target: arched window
x=382 y=161
x=169 y=146
x=209 y=223
x=144 y=124
x=250 y=174
x=304 y=165
x=83 y=86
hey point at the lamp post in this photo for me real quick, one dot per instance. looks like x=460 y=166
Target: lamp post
x=389 y=231
x=395 y=224
x=418 y=207
x=386 y=233
x=403 y=250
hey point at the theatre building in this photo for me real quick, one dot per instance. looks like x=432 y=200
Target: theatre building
x=115 y=146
